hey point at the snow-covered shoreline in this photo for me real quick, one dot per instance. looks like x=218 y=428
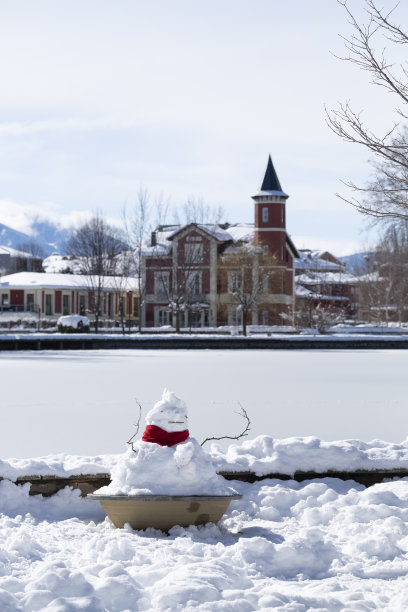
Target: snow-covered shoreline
x=262 y=456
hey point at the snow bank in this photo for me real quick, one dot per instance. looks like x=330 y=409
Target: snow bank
x=61 y=465
x=267 y=455
x=262 y=455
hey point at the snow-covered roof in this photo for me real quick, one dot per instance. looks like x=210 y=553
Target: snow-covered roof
x=241 y=232
x=326 y=278
x=312 y=260
x=213 y=229
x=42 y=280
x=238 y=232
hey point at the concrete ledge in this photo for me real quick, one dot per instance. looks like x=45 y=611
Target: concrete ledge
x=45 y=343
x=88 y=483
x=49 y=485
x=364 y=477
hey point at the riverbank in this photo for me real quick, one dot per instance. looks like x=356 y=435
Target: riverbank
x=55 y=342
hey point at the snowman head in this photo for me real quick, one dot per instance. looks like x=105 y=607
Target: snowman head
x=170 y=413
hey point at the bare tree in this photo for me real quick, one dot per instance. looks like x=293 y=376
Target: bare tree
x=31 y=256
x=384 y=279
x=196 y=210
x=385 y=196
x=137 y=226
x=98 y=247
x=249 y=269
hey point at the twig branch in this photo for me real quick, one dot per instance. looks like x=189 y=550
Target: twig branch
x=137 y=425
x=244 y=433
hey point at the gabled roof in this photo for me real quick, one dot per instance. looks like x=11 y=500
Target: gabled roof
x=213 y=230
x=270 y=184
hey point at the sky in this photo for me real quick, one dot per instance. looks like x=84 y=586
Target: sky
x=185 y=99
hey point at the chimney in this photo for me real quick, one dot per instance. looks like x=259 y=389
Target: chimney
x=153 y=241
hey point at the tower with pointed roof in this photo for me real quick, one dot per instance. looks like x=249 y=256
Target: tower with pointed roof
x=270 y=213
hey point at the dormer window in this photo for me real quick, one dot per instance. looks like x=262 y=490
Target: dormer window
x=265 y=215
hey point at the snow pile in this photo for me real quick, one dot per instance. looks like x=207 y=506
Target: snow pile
x=326 y=545
x=182 y=469
x=266 y=455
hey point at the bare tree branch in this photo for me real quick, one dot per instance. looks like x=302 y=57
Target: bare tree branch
x=385 y=196
x=137 y=425
x=243 y=433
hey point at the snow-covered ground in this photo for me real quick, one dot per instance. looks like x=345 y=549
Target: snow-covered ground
x=83 y=402
x=322 y=546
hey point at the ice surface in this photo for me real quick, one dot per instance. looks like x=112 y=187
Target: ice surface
x=83 y=402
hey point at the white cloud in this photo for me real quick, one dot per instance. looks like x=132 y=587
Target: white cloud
x=20 y=216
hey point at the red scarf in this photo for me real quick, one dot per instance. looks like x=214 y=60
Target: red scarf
x=160 y=436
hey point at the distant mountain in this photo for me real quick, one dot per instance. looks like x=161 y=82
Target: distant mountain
x=45 y=234
x=355 y=263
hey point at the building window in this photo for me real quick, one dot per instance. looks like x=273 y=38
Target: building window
x=82 y=306
x=5 y=299
x=234 y=282
x=265 y=215
x=48 y=304
x=163 y=317
x=282 y=215
x=161 y=284
x=65 y=305
x=265 y=317
x=193 y=283
x=30 y=302
x=135 y=306
x=121 y=306
x=265 y=283
x=193 y=253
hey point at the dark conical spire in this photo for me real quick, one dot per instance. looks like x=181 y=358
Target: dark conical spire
x=270 y=181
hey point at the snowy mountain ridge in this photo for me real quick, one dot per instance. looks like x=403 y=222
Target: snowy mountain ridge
x=44 y=234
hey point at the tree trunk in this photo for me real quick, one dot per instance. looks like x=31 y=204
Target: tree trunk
x=139 y=306
x=244 y=322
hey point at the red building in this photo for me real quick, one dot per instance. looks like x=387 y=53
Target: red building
x=201 y=275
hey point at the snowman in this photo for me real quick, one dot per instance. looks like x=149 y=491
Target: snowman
x=167 y=460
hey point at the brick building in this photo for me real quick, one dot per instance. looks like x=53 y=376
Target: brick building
x=200 y=275
x=49 y=296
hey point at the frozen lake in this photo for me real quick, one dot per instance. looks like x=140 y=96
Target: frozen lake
x=85 y=402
